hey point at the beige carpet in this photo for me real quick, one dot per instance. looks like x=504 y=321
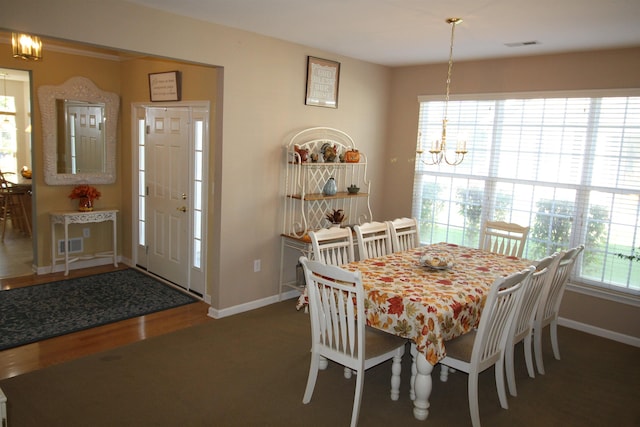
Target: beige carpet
x=251 y=370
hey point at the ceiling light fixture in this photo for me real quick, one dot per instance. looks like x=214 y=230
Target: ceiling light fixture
x=438 y=149
x=26 y=46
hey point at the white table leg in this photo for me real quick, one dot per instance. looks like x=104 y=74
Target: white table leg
x=66 y=248
x=53 y=246
x=115 y=242
x=422 y=385
x=281 y=269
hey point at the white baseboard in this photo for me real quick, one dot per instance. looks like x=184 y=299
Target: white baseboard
x=218 y=314
x=604 y=333
x=76 y=265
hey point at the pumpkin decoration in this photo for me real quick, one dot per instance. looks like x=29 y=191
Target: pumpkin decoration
x=352 y=156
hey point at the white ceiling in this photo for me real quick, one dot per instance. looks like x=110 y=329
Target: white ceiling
x=407 y=32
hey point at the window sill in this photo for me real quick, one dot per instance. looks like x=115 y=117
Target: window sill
x=607 y=294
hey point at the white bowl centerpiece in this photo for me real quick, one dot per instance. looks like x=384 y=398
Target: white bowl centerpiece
x=437 y=261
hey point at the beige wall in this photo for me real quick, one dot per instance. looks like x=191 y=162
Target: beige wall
x=612 y=69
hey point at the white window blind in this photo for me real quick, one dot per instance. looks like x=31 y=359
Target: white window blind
x=567 y=165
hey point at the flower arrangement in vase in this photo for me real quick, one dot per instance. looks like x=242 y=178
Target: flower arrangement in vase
x=85 y=194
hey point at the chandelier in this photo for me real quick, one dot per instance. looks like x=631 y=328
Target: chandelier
x=26 y=46
x=438 y=149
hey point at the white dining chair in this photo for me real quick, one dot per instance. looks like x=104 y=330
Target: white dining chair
x=547 y=312
x=503 y=238
x=522 y=326
x=374 y=239
x=333 y=245
x=405 y=234
x=484 y=347
x=339 y=331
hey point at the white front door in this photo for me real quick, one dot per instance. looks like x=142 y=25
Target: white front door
x=170 y=224
x=167 y=166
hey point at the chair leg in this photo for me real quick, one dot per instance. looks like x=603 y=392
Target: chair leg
x=537 y=347
x=472 y=390
x=502 y=392
x=528 y=355
x=5 y=215
x=508 y=364
x=553 y=329
x=357 y=398
x=323 y=363
x=347 y=372
x=444 y=373
x=396 y=370
x=311 y=380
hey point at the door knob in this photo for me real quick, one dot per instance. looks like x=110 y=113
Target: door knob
x=182 y=209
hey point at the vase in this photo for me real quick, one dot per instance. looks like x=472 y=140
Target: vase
x=85 y=204
x=330 y=188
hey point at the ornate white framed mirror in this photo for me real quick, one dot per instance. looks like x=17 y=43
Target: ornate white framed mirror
x=79 y=126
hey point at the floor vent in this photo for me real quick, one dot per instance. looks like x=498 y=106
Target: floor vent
x=75 y=245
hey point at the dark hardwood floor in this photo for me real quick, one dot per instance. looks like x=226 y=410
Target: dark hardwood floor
x=31 y=357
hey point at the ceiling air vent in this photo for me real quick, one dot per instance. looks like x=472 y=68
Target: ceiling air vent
x=518 y=44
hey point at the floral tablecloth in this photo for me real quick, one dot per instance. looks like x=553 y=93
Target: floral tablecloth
x=430 y=306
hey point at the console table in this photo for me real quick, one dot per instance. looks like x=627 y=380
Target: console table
x=75 y=217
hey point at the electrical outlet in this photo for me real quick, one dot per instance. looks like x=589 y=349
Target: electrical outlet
x=256 y=265
x=86 y=232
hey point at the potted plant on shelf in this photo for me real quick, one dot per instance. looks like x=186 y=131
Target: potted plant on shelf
x=85 y=194
x=336 y=217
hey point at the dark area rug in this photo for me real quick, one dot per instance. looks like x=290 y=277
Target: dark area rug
x=34 y=313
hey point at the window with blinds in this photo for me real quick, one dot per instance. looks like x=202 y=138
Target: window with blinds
x=567 y=166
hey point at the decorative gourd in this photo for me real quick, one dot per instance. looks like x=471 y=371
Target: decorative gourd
x=330 y=188
x=352 y=156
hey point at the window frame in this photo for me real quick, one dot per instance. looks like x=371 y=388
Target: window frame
x=605 y=290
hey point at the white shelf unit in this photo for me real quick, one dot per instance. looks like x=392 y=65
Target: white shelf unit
x=305 y=206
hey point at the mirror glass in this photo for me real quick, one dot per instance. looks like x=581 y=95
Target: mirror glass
x=81 y=144
x=79 y=124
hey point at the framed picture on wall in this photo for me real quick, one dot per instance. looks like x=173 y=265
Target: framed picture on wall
x=323 y=77
x=165 y=86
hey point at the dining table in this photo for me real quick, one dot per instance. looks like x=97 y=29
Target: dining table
x=429 y=306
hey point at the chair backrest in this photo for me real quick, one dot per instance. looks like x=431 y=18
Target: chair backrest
x=526 y=311
x=503 y=238
x=555 y=285
x=374 y=239
x=405 y=234
x=336 y=310
x=497 y=316
x=332 y=245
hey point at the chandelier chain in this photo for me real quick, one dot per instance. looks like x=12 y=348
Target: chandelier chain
x=438 y=149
